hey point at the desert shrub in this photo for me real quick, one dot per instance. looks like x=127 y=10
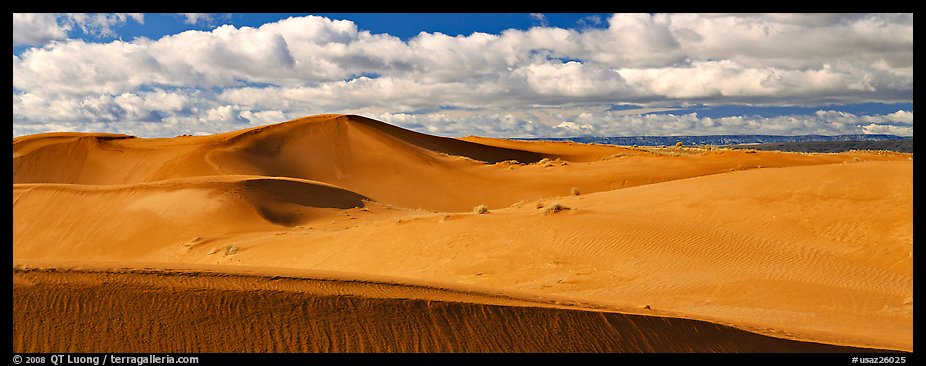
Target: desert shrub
x=539 y=204
x=679 y=144
x=575 y=191
x=554 y=208
x=231 y=249
x=481 y=209
x=544 y=162
x=613 y=156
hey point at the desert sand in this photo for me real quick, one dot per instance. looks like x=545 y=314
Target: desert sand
x=339 y=233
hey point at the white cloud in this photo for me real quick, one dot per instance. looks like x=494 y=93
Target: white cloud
x=101 y=24
x=572 y=79
x=508 y=83
x=198 y=18
x=41 y=28
x=901 y=116
x=888 y=129
x=575 y=128
x=32 y=28
x=619 y=123
x=589 y=22
x=540 y=19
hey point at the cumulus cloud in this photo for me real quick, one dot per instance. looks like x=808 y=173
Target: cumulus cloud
x=516 y=83
x=41 y=28
x=617 y=123
x=37 y=29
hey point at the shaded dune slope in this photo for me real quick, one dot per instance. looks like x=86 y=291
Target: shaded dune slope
x=98 y=312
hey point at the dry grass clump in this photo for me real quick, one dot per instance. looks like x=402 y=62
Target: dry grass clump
x=227 y=249
x=545 y=162
x=575 y=191
x=614 y=156
x=554 y=208
x=481 y=209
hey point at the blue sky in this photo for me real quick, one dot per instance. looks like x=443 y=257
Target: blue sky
x=503 y=75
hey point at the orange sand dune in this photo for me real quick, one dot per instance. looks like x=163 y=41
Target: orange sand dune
x=808 y=247
x=188 y=311
x=374 y=159
x=137 y=219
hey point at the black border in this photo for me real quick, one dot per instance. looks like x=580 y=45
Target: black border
x=499 y=6
x=506 y=358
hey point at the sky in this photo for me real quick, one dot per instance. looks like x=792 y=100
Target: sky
x=455 y=74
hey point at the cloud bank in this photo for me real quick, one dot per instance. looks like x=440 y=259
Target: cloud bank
x=543 y=81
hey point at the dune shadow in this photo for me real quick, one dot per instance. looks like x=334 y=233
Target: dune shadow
x=451 y=146
x=306 y=193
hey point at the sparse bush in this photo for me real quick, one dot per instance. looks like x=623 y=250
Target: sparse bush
x=679 y=144
x=613 y=156
x=231 y=249
x=539 y=204
x=575 y=191
x=554 y=208
x=481 y=209
x=545 y=162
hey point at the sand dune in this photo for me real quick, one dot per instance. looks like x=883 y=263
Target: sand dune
x=188 y=311
x=805 y=247
x=130 y=221
x=387 y=164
